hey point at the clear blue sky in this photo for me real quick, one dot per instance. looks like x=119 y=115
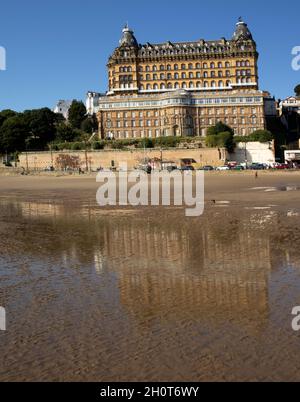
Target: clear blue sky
x=59 y=49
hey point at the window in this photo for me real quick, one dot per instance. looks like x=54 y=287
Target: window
x=175 y=66
x=191 y=85
x=147 y=68
x=220 y=84
x=220 y=65
x=184 y=85
x=183 y=66
x=169 y=68
x=183 y=75
x=198 y=74
x=198 y=66
x=191 y=75
x=212 y=65
x=213 y=84
x=162 y=76
x=204 y=65
x=162 y=68
x=154 y=68
x=190 y=66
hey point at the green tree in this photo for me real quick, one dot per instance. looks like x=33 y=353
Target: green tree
x=220 y=127
x=297 y=90
x=65 y=133
x=13 y=134
x=90 y=124
x=42 y=126
x=77 y=114
x=262 y=136
x=6 y=114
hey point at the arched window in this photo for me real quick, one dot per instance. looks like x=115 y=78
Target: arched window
x=198 y=66
x=220 y=84
x=142 y=87
x=162 y=68
x=148 y=86
x=154 y=68
x=213 y=84
x=212 y=65
x=191 y=75
x=190 y=66
x=183 y=66
x=238 y=64
x=228 y=83
x=227 y=73
x=205 y=74
x=248 y=80
x=176 y=85
x=220 y=65
x=184 y=85
x=169 y=76
x=162 y=86
x=147 y=68
x=198 y=85
x=129 y=69
x=204 y=65
x=141 y=69
x=175 y=66
x=220 y=74
x=191 y=85
x=227 y=64
x=169 y=85
x=155 y=86
x=205 y=84
x=162 y=76
x=169 y=68
x=247 y=63
x=148 y=77
x=183 y=75
x=176 y=76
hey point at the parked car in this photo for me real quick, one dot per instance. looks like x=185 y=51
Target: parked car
x=171 y=169
x=282 y=166
x=238 y=168
x=208 y=168
x=187 y=169
x=222 y=168
x=256 y=166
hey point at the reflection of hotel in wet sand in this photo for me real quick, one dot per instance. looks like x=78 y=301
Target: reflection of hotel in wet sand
x=216 y=267
x=172 y=269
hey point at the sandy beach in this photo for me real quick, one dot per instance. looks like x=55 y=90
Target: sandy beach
x=146 y=294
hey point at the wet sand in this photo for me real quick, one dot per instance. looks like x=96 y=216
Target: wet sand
x=146 y=294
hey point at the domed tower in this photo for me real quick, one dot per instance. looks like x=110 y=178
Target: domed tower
x=122 y=65
x=245 y=58
x=128 y=39
x=242 y=32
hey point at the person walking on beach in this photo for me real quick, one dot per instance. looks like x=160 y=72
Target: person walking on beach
x=256 y=175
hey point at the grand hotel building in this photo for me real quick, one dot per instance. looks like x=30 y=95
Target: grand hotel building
x=181 y=89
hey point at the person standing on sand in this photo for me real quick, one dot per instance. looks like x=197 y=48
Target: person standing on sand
x=256 y=175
